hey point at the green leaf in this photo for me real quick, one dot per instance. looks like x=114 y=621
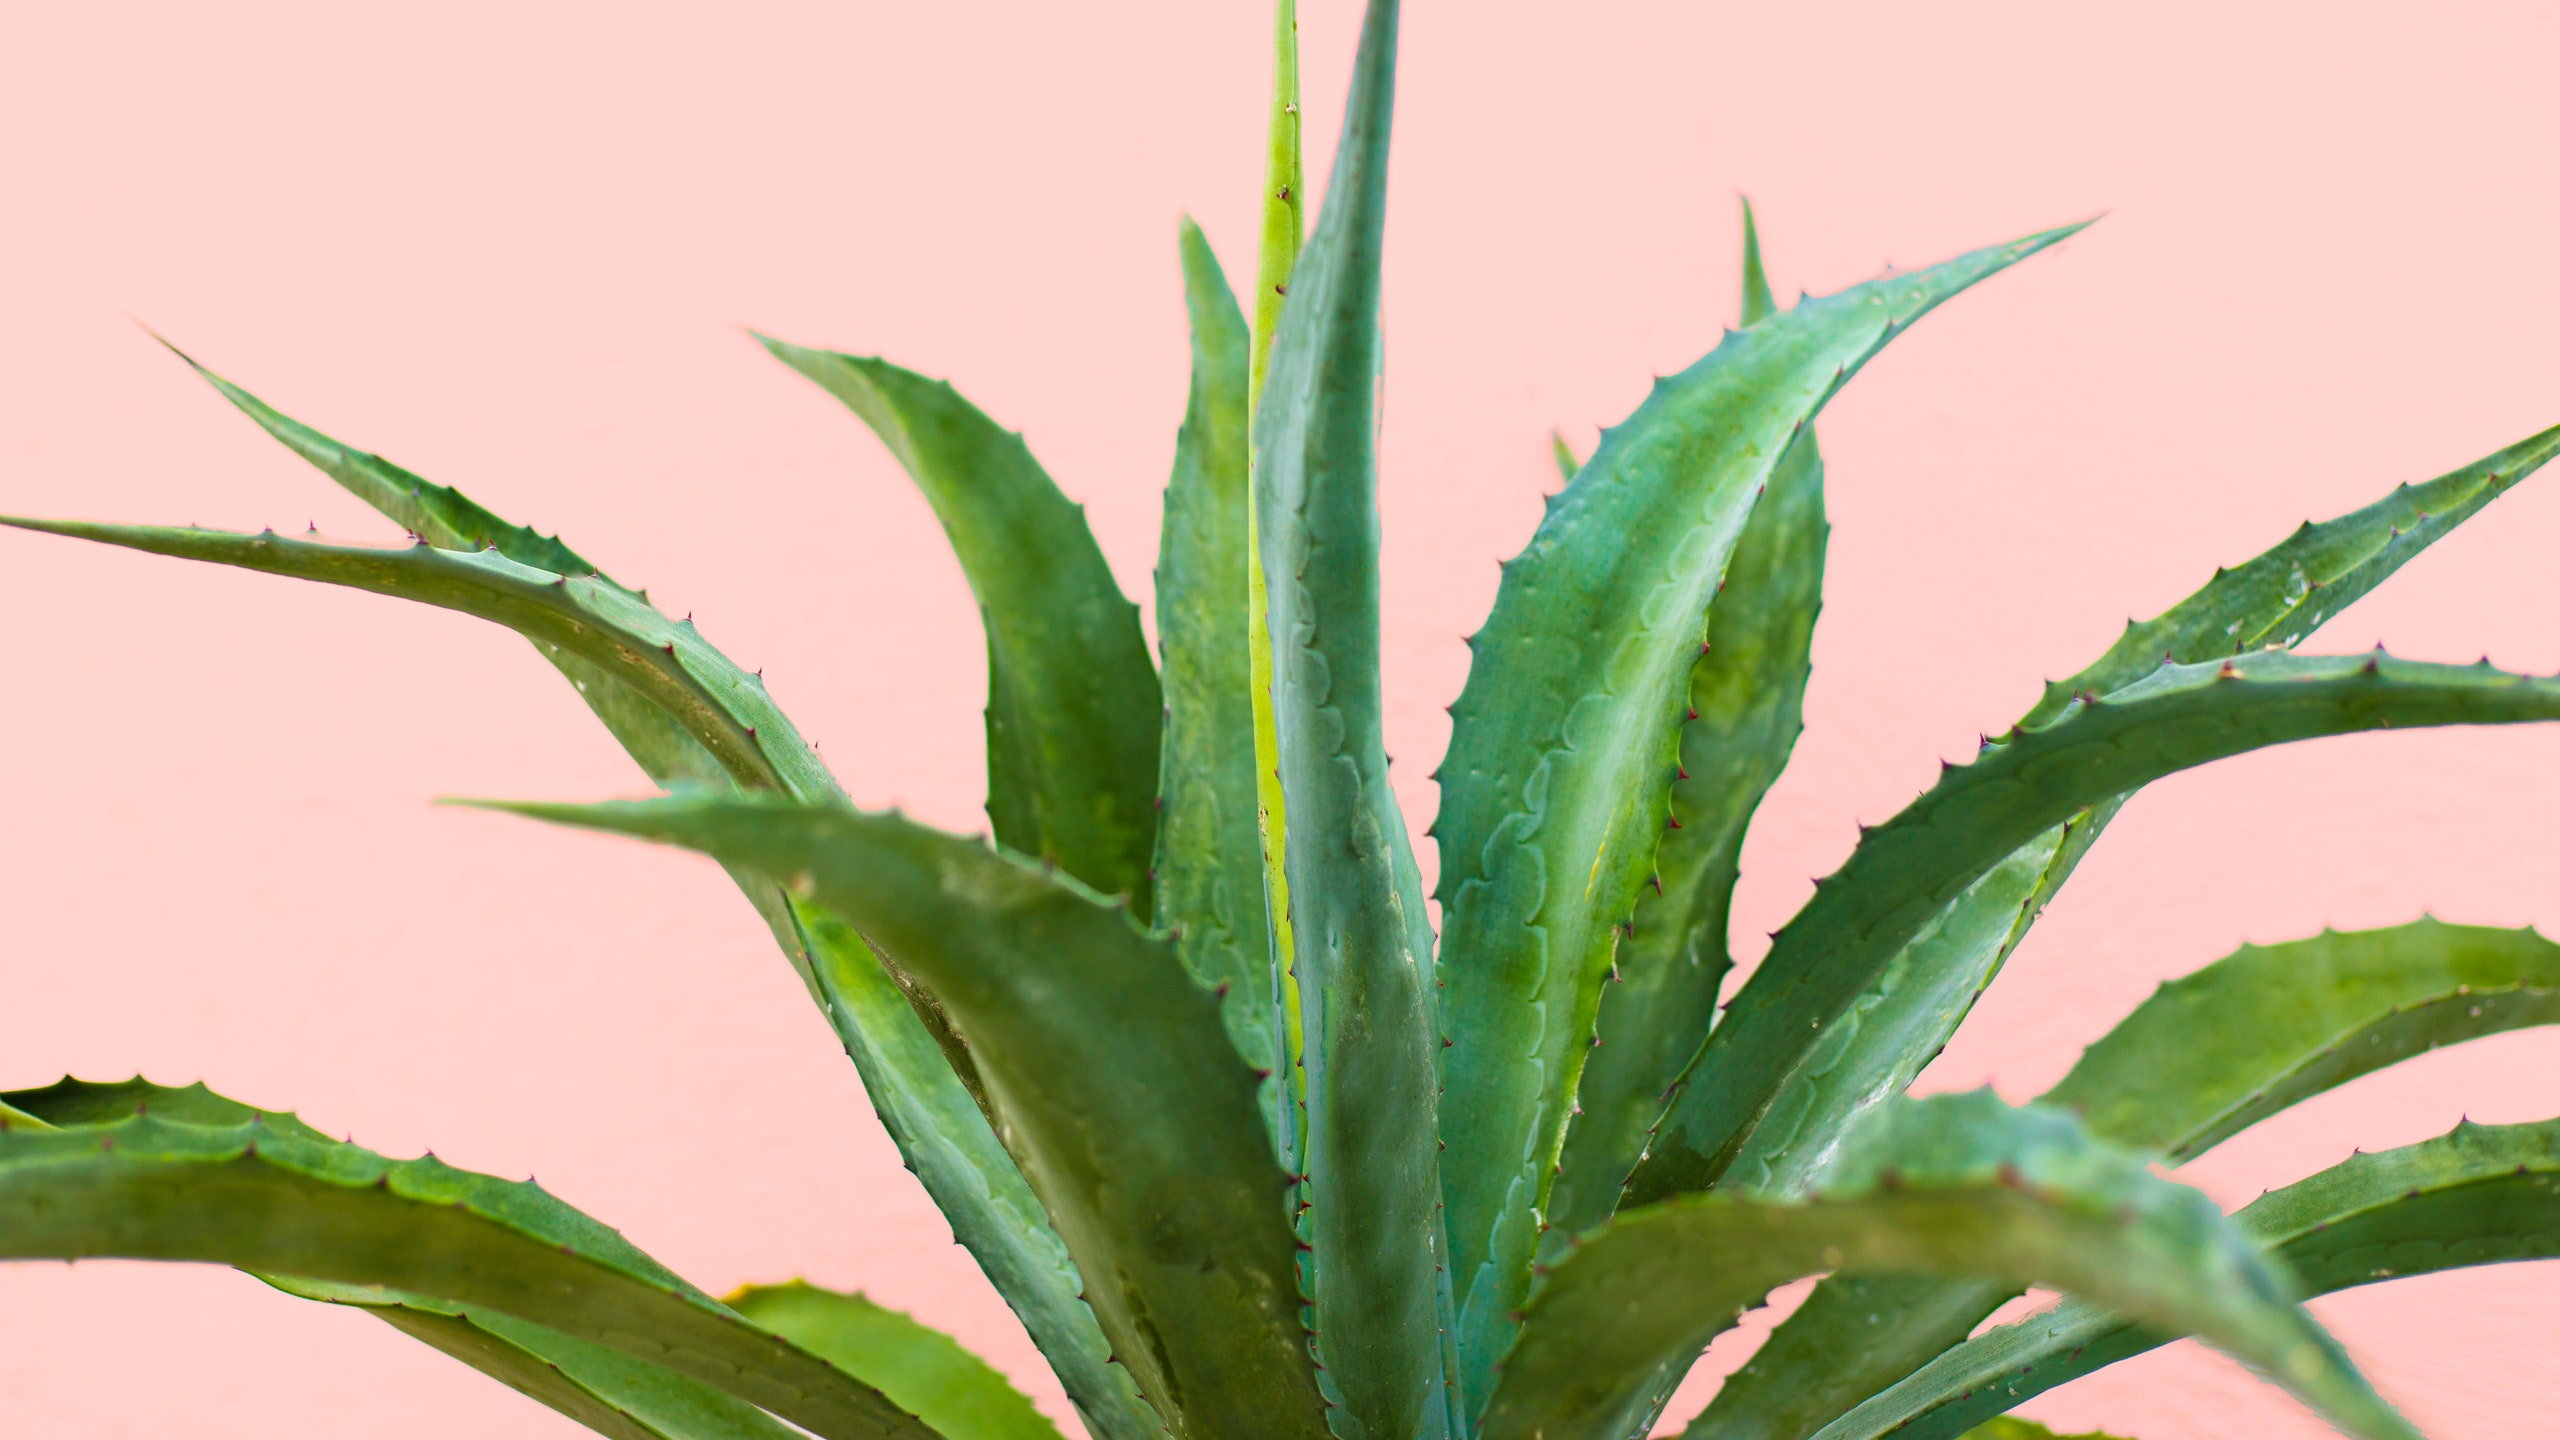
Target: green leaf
x=1747 y=691
x=2481 y=1195
x=918 y=1077
x=270 y=1198
x=2212 y=1054
x=1208 y=863
x=1856 y=1334
x=1109 y=1073
x=945 y=1136
x=1566 y=462
x=2281 y=596
x=1564 y=746
x=1906 y=870
x=1073 y=706
x=2202 y=1059
x=1363 y=946
x=603 y=1389
x=587 y=617
x=1757 y=303
x=2013 y=1427
x=1952 y=1185
x=925 y=1371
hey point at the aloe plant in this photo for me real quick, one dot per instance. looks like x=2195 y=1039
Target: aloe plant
x=1255 y=1150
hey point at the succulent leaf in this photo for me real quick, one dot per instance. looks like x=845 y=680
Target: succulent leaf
x=1747 y=692
x=2278 y=598
x=1952 y=1185
x=1564 y=742
x=1208 y=868
x=1073 y=705
x=603 y=1389
x=927 y=1373
x=1906 y=869
x=1362 y=947
x=270 y=1198
x=1856 y=1334
x=2267 y=1027
x=2204 y=1058
x=2480 y=1195
x=1112 y=1081
x=587 y=617
x=917 y=1074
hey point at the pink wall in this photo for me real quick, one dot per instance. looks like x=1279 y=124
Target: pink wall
x=513 y=249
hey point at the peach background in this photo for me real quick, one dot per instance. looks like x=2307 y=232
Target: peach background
x=513 y=247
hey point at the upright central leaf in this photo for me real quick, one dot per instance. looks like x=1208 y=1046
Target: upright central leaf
x=1564 y=746
x=1362 y=938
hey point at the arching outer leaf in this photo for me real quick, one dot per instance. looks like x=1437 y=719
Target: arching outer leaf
x=1563 y=746
x=2481 y=1195
x=268 y=1198
x=1958 y=1185
x=594 y=620
x=600 y=1388
x=918 y=1076
x=1362 y=936
x=2200 y=1060
x=1856 y=1334
x=603 y=1389
x=2278 y=598
x=1208 y=864
x=2268 y=1027
x=1905 y=870
x=1110 y=1076
x=925 y=1371
x=1073 y=706
x=2206 y=1056
x=1747 y=692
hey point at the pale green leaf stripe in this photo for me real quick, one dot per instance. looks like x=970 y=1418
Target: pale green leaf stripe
x=929 y=1110
x=267 y=1198
x=1073 y=705
x=1208 y=865
x=1747 y=692
x=1149 y=1157
x=1855 y=1334
x=1951 y=1185
x=603 y=1389
x=1362 y=946
x=2481 y=1195
x=2205 y=1056
x=1564 y=744
x=926 y=1372
x=1907 y=869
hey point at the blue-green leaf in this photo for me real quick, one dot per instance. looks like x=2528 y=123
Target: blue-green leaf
x=1109 y=1073
x=1073 y=706
x=1564 y=747
x=1955 y=1185
x=1362 y=936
